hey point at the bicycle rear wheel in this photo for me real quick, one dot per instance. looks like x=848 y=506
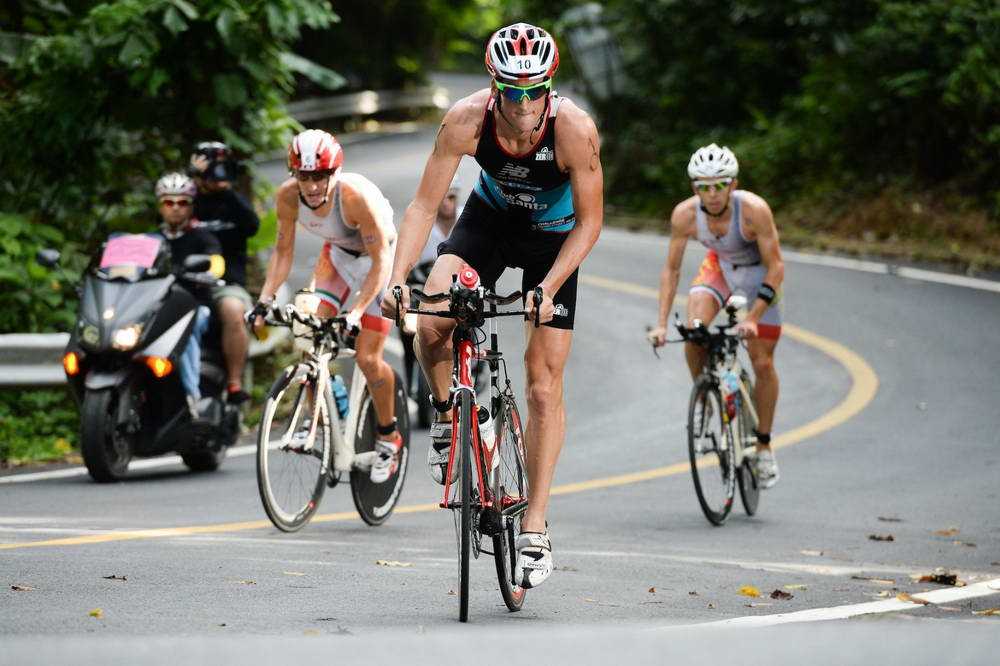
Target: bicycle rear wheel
x=464 y=441
x=510 y=496
x=375 y=501
x=293 y=457
x=747 y=478
x=710 y=448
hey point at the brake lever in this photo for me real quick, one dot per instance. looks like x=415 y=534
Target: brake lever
x=397 y=294
x=539 y=296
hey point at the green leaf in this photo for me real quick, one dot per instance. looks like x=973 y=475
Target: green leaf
x=133 y=52
x=156 y=79
x=230 y=90
x=224 y=24
x=11 y=246
x=187 y=8
x=316 y=73
x=173 y=21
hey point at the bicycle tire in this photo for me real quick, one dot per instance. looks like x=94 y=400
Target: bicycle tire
x=464 y=405
x=748 y=482
x=721 y=454
x=376 y=501
x=509 y=477
x=307 y=464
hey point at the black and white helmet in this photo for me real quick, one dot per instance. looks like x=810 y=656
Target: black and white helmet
x=713 y=162
x=175 y=184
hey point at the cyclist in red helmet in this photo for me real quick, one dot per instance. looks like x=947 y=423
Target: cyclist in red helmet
x=537 y=205
x=354 y=219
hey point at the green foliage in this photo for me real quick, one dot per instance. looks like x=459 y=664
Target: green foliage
x=107 y=97
x=36 y=425
x=31 y=297
x=816 y=96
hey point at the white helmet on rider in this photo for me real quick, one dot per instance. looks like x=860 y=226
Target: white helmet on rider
x=522 y=54
x=175 y=184
x=713 y=162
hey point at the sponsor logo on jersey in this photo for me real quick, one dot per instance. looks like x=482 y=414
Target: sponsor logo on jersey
x=514 y=171
x=524 y=200
x=546 y=154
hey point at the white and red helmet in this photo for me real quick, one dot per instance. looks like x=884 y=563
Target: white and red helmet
x=175 y=184
x=315 y=150
x=522 y=54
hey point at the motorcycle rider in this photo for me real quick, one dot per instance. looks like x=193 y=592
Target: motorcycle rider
x=227 y=214
x=175 y=194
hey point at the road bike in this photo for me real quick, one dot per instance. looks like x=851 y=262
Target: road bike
x=722 y=419
x=304 y=443
x=487 y=446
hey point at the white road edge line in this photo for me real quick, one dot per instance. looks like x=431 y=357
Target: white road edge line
x=846 y=263
x=983 y=589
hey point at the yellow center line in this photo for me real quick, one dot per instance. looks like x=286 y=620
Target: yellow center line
x=864 y=384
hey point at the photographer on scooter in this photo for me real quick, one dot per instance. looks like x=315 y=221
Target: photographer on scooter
x=175 y=194
x=225 y=213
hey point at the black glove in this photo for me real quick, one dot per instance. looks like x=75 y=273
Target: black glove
x=259 y=310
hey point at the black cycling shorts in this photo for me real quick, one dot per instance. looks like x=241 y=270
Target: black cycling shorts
x=490 y=241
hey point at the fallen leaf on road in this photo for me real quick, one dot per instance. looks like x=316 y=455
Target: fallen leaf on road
x=951 y=531
x=97 y=612
x=942 y=579
x=588 y=600
x=880 y=581
x=881 y=537
x=890 y=519
x=812 y=553
x=393 y=563
x=987 y=611
x=223 y=624
x=22 y=588
x=248 y=582
x=293 y=573
x=749 y=591
x=711 y=605
x=967 y=544
x=693 y=593
x=757 y=604
x=884 y=593
x=451 y=593
x=115 y=577
x=903 y=596
x=652 y=590
x=796 y=586
x=781 y=594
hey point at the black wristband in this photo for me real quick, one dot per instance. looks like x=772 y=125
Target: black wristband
x=387 y=430
x=441 y=407
x=766 y=293
x=763 y=437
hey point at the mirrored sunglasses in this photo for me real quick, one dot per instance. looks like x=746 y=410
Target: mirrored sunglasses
x=518 y=93
x=315 y=176
x=708 y=186
x=180 y=203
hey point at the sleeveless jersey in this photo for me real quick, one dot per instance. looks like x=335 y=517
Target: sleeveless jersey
x=529 y=187
x=334 y=229
x=733 y=248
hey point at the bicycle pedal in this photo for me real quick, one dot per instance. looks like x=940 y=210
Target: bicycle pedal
x=332 y=479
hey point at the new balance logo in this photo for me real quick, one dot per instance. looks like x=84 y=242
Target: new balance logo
x=514 y=171
x=546 y=154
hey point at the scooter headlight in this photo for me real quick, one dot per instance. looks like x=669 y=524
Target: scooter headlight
x=126 y=338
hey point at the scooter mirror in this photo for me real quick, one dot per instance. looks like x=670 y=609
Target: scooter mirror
x=47 y=257
x=197 y=263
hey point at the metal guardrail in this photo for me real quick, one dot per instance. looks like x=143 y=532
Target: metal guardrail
x=367 y=102
x=35 y=359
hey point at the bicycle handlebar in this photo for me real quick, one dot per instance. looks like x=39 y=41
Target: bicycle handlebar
x=419 y=296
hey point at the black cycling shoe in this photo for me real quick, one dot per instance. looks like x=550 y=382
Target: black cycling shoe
x=237 y=397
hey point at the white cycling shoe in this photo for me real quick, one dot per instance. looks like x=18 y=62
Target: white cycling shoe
x=767 y=469
x=534 y=559
x=386 y=461
x=439 y=450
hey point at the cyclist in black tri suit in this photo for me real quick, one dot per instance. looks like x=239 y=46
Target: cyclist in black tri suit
x=538 y=205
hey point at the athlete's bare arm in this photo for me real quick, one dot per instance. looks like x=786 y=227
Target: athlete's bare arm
x=758 y=223
x=682 y=228
x=578 y=150
x=280 y=264
x=457 y=136
x=358 y=212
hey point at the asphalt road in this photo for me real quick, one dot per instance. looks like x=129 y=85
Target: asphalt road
x=886 y=411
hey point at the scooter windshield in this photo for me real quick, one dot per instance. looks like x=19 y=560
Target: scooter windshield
x=129 y=256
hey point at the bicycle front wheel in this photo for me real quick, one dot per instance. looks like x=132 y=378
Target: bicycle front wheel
x=375 y=501
x=293 y=454
x=710 y=448
x=464 y=441
x=510 y=497
x=748 y=482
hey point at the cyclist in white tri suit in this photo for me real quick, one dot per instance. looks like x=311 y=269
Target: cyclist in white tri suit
x=744 y=256
x=350 y=213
